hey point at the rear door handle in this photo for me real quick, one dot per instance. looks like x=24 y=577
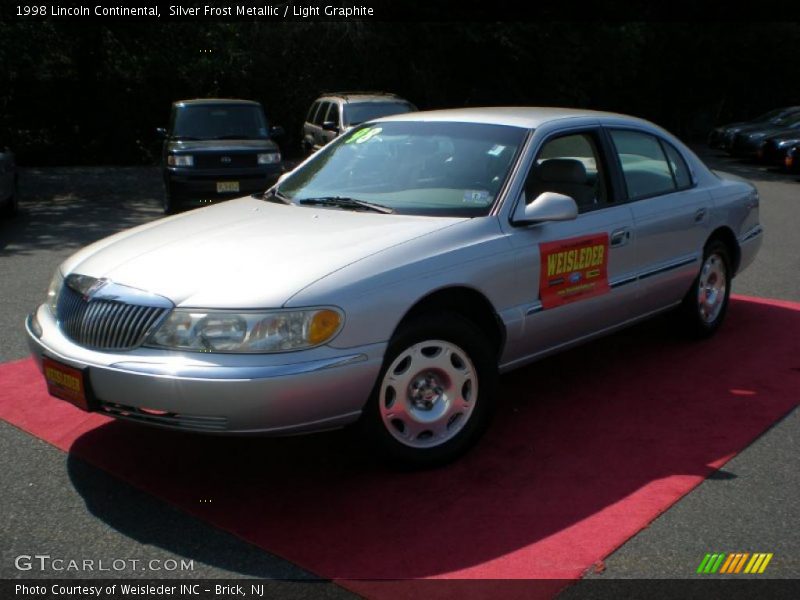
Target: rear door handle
x=700 y=215
x=620 y=237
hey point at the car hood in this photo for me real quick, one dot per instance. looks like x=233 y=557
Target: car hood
x=769 y=131
x=733 y=127
x=754 y=128
x=196 y=146
x=245 y=253
x=785 y=136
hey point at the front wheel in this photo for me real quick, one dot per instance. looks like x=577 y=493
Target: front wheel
x=433 y=398
x=706 y=302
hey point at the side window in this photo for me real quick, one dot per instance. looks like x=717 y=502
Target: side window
x=320 y=116
x=312 y=111
x=644 y=165
x=333 y=113
x=570 y=165
x=678 y=166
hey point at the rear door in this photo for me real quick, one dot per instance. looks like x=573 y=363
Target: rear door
x=671 y=215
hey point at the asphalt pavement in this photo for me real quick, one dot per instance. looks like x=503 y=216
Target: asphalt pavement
x=753 y=502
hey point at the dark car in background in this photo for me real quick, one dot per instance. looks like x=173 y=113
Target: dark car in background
x=217 y=149
x=774 y=149
x=722 y=137
x=8 y=182
x=747 y=143
x=336 y=112
x=791 y=162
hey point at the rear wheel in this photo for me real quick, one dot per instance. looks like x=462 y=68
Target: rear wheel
x=433 y=399
x=706 y=302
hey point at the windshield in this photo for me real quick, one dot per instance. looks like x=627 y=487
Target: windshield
x=359 y=112
x=226 y=121
x=417 y=168
x=773 y=114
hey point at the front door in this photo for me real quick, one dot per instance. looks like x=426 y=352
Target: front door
x=580 y=274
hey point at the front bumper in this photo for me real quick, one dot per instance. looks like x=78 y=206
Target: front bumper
x=188 y=184
x=289 y=393
x=746 y=147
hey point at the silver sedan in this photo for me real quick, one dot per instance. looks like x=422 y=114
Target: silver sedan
x=394 y=274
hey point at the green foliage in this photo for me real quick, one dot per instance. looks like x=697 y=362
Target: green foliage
x=94 y=93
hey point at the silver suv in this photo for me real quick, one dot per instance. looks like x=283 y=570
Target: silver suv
x=334 y=113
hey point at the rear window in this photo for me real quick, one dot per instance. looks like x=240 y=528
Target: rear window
x=333 y=113
x=678 y=166
x=644 y=165
x=312 y=111
x=322 y=110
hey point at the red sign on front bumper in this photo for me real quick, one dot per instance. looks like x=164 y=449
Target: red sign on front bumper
x=65 y=382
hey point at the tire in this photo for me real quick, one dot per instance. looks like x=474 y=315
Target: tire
x=705 y=304
x=434 y=396
x=169 y=205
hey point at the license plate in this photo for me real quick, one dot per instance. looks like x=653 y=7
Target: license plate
x=227 y=186
x=66 y=383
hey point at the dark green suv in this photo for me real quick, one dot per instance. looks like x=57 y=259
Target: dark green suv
x=216 y=150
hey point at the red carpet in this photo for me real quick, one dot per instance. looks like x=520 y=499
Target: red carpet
x=587 y=448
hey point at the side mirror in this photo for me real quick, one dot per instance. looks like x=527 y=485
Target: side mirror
x=276 y=131
x=331 y=126
x=161 y=133
x=547 y=206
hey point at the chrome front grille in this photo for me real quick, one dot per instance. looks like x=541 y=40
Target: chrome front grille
x=105 y=323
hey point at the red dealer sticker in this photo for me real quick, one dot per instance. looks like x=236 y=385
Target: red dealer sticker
x=573 y=269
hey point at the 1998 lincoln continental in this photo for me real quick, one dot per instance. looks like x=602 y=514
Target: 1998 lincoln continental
x=390 y=277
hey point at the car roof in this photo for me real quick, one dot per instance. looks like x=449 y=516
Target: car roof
x=362 y=96
x=215 y=102
x=529 y=117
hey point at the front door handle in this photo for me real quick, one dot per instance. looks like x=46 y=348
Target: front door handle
x=700 y=215
x=620 y=237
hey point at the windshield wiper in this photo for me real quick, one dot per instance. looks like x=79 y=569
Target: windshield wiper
x=273 y=195
x=184 y=137
x=347 y=203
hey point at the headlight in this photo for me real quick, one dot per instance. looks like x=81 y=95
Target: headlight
x=53 y=290
x=180 y=160
x=269 y=158
x=254 y=332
